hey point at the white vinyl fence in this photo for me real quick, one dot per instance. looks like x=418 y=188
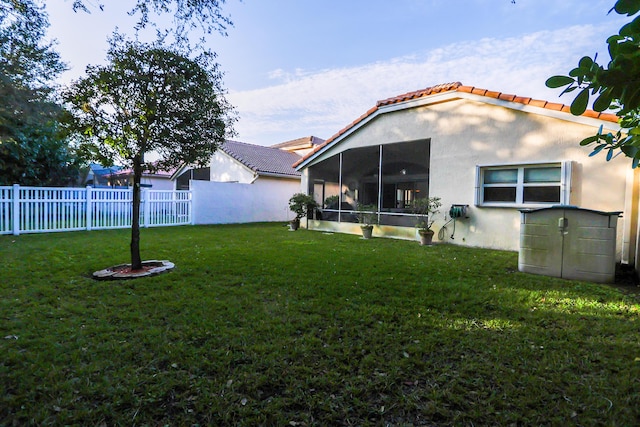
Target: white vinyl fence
x=48 y=209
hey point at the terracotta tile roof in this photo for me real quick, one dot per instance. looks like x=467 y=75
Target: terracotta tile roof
x=261 y=159
x=458 y=87
x=419 y=93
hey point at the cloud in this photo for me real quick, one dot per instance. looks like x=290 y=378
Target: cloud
x=322 y=102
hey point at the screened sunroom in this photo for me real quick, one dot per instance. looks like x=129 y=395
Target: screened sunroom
x=384 y=179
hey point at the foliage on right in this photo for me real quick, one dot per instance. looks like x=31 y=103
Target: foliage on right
x=615 y=86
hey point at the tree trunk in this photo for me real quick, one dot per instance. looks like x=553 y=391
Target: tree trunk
x=136 y=261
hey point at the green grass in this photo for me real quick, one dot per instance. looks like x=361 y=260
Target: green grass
x=261 y=326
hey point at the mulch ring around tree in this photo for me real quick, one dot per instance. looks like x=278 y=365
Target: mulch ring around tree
x=124 y=271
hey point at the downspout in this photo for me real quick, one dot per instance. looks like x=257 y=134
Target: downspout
x=380 y=184
x=630 y=225
x=340 y=187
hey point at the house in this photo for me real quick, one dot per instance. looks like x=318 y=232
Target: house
x=487 y=153
x=98 y=175
x=158 y=180
x=247 y=163
x=245 y=182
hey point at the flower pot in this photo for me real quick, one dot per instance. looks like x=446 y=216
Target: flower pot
x=367 y=231
x=294 y=224
x=426 y=237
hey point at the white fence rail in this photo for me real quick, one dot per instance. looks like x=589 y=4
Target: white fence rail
x=44 y=209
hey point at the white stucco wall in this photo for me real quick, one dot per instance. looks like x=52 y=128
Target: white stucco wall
x=225 y=168
x=465 y=133
x=267 y=199
x=158 y=183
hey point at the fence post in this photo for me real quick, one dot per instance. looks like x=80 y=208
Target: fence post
x=88 y=207
x=146 y=205
x=190 y=208
x=191 y=204
x=15 y=214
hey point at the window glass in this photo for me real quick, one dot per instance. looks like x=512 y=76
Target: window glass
x=501 y=176
x=500 y=194
x=549 y=174
x=545 y=194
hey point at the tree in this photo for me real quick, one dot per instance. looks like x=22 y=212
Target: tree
x=616 y=87
x=32 y=149
x=149 y=98
x=188 y=15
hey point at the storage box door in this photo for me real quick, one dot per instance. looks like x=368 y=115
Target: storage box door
x=589 y=247
x=541 y=243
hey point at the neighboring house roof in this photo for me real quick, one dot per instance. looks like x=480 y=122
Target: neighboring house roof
x=146 y=173
x=456 y=88
x=100 y=170
x=262 y=160
x=299 y=143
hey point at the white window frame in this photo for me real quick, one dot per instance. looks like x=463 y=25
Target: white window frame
x=565 y=184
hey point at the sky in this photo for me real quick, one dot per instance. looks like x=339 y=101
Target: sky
x=295 y=68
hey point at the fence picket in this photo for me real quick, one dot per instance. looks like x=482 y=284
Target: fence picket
x=43 y=210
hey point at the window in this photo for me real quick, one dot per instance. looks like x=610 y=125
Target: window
x=523 y=185
x=201 y=174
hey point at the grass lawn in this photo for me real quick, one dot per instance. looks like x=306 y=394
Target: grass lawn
x=261 y=326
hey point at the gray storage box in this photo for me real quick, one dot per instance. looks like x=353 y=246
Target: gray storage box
x=569 y=242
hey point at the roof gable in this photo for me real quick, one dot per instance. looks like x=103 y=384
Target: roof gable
x=406 y=100
x=306 y=141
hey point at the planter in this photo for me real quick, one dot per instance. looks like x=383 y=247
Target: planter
x=294 y=224
x=123 y=271
x=367 y=231
x=426 y=237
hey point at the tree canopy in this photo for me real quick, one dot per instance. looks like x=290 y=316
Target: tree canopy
x=615 y=86
x=205 y=15
x=149 y=98
x=33 y=151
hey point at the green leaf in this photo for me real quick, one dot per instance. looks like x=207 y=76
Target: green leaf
x=558 y=81
x=576 y=72
x=589 y=140
x=630 y=151
x=603 y=101
x=628 y=7
x=585 y=62
x=631 y=29
x=610 y=154
x=597 y=150
x=631 y=97
x=579 y=105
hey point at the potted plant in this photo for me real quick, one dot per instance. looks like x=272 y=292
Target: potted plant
x=332 y=202
x=424 y=209
x=300 y=204
x=367 y=217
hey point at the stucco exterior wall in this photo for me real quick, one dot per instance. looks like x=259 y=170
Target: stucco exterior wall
x=158 y=183
x=465 y=133
x=267 y=199
x=225 y=168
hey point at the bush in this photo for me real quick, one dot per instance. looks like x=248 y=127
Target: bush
x=301 y=204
